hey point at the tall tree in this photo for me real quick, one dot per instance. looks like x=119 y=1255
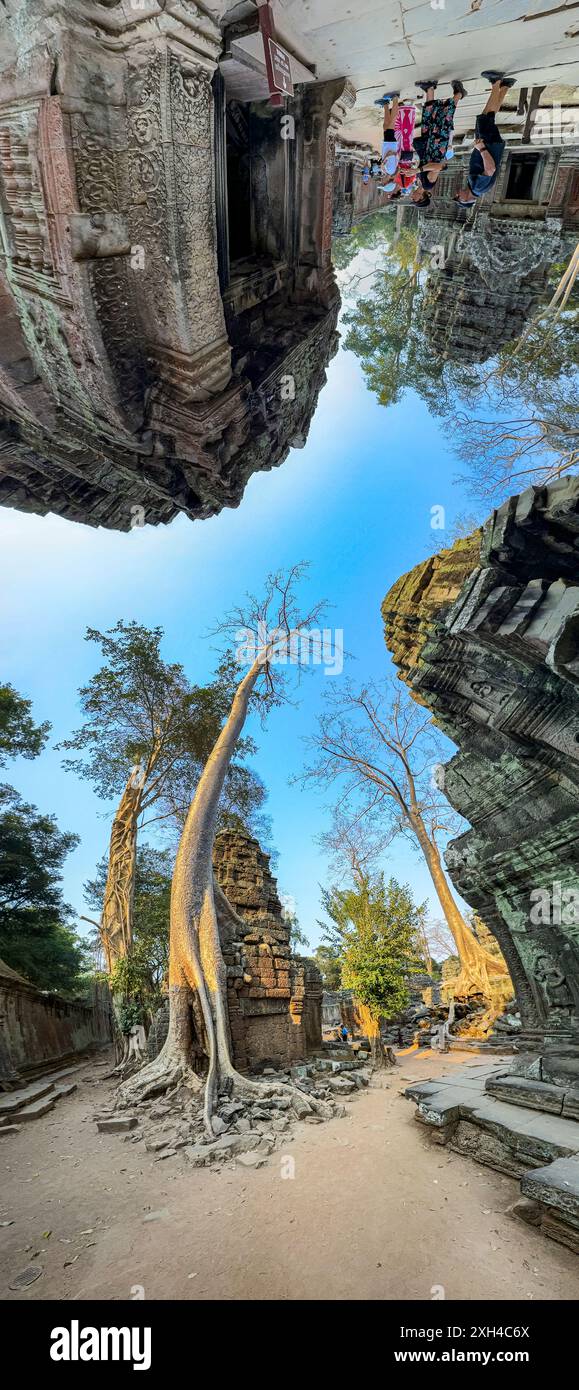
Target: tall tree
x=518 y=423
x=35 y=937
x=277 y=634
x=385 y=750
x=375 y=928
x=146 y=734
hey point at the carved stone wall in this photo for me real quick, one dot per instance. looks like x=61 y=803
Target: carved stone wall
x=485 y=280
x=274 y=998
x=39 y=1031
x=125 y=394
x=353 y=199
x=487 y=636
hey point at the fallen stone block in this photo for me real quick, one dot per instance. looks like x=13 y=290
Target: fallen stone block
x=301 y=1107
x=117 y=1124
x=342 y=1084
x=230 y=1144
x=197 y=1154
x=251 y=1160
x=571 y=1105
x=9 y=1129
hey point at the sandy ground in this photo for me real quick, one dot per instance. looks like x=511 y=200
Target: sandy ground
x=373 y=1211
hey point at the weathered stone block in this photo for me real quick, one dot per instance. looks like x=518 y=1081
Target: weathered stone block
x=117 y=1124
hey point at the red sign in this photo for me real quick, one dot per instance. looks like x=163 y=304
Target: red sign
x=281 y=69
x=277 y=61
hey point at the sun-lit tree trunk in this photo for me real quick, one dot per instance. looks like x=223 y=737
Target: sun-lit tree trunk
x=116 y=925
x=371 y=1029
x=198 y=1012
x=477 y=964
x=196 y=959
x=197 y=972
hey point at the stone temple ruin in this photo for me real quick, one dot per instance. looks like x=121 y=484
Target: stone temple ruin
x=274 y=997
x=487 y=636
x=488 y=274
x=168 y=299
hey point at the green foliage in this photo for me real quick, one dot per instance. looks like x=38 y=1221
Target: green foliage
x=514 y=421
x=385 y=331
x=328 y=961
x=130 y=1013
x=18 y=732
x=34 y=936
x=142 y=712
x=374 y=231
x=375 y=929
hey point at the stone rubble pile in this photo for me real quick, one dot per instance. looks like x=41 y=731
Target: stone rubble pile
x=247 y=1130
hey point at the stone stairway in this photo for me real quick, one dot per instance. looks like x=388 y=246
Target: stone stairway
x=536 y=1095
x=527 y=1129
x=34 y=1100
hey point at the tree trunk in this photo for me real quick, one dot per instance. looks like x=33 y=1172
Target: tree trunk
x=196 y=966
x=197 y=972
x=476 y=963
x=371 y=1028
x=116 y=926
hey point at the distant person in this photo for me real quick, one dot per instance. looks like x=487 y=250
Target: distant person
x=489 y=145
x=344 y=1033
x=434 y=144
x=372 y=169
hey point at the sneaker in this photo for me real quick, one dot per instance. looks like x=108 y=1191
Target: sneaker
x=430 y=82
x=459 y=88
x=388 y=96
x=493 y=77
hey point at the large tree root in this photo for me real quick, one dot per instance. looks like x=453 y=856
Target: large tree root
x=163 y=1074
x=168 y=1072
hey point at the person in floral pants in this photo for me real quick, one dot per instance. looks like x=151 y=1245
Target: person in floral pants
x=435 y=139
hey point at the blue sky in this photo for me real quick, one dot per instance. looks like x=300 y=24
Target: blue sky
x=355 y=502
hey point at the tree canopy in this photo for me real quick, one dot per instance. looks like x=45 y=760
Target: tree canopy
x=35 y=938
x=375 y=931
x=142 y=713
x=19 y=735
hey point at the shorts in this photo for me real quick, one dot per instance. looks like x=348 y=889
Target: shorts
x=487 y=129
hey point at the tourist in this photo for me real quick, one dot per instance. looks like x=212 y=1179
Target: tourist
x=489 y=144
x=344 y=1033
x=372 y=169
x=434 y=144
x=399 y=160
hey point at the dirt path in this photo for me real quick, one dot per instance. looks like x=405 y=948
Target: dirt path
x=373 y=1212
